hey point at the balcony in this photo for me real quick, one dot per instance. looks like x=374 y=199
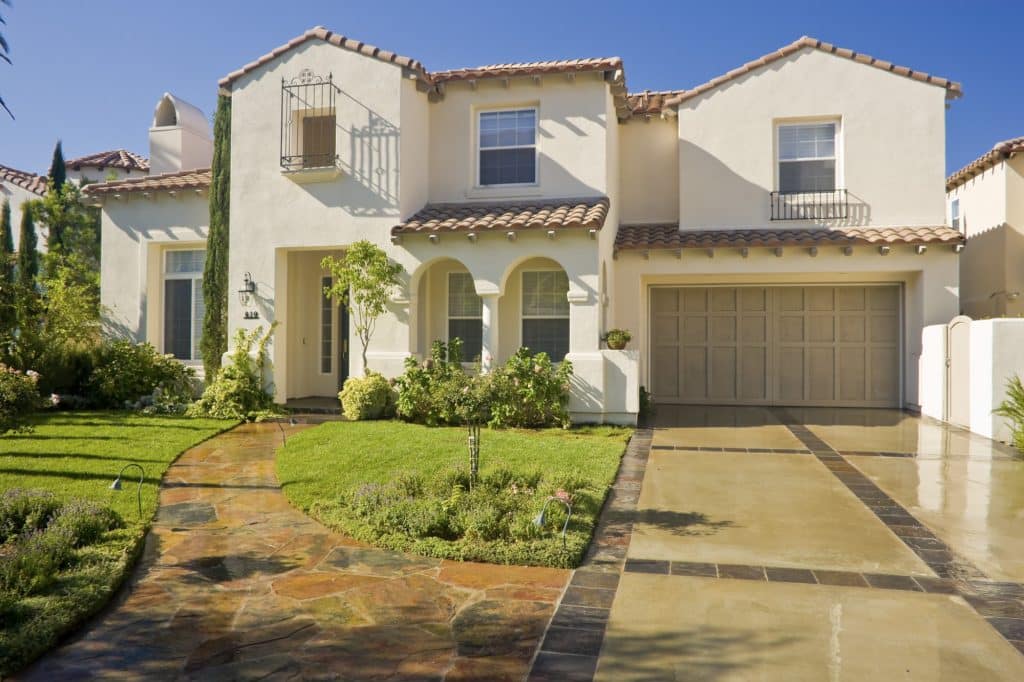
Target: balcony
x=817 y=205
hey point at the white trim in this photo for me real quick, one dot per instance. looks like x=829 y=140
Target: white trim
x=320 y=326
x=477 y=150
x=195 y=354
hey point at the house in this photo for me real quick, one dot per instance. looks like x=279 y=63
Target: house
x=773 y=236
x=985 y=202
x=17 y=187
x=115 y=164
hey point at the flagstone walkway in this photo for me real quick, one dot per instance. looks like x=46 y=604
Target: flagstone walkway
x=236 y=584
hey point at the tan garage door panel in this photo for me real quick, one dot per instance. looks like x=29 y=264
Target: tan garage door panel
x=819 y=345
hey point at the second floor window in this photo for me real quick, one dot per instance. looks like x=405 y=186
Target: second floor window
x=807 y=157
x=508 y=147
x=954 y=214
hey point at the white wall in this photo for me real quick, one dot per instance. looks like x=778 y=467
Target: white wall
x=17 y=196
x=892 y=139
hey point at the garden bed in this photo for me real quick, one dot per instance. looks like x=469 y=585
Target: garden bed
x=406 y=487
x=77 y=456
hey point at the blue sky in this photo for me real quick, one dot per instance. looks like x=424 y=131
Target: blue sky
x=91 y=72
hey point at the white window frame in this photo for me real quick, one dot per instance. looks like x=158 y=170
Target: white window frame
x=320 y=322
x=837 y=150
x=954 y=213
x=196 y=352
x=478 y=114
x=448 y=317
x=522 y=308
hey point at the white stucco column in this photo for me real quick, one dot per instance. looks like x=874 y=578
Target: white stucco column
x=489 y=350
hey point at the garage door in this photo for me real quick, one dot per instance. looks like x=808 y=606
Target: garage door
x=815 y=345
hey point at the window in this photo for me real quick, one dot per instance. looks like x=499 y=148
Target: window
x=326 y=328
x=546 y=313
x=465 y=314
x=318 y=141
x=807 y=157
x=508 y=147
x=183 y=303
x=954 y=214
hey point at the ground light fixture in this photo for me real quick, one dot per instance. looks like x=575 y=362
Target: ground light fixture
x=292 y=421
x=116 y=485
x=539 y=519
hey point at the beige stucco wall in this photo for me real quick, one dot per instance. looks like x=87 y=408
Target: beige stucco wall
x=572 y=119
x=17 y=196
x=929 y=281
x=892 y=140
x=650 y=171
x=135 y=231
x=992 y=218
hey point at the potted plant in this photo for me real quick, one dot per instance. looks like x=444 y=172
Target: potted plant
x=617 y=338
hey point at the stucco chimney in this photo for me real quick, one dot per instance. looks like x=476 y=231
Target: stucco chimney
x=179 y=138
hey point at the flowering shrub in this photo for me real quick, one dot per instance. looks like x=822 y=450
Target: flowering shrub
x=238 y=391
x=128 y=372
x=429 y=392
x=19 y=398
x=367 y=397
x=528 y=391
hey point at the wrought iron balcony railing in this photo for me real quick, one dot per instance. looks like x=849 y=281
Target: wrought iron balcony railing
x=820 y=205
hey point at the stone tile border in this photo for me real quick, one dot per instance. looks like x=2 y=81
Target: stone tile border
x=572 y=642
x=752 y=451
x=1000 y=604
x=781 y=574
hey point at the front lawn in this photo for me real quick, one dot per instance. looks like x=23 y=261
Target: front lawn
x=77 y=456
x=406 y=487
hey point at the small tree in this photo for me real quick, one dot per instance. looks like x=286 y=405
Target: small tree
x=363 y=280
x=58 y=169
x=214 y=341
x=28 y=252
x=7 y=295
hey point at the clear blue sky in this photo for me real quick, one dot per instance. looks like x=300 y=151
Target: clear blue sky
x=91 y=72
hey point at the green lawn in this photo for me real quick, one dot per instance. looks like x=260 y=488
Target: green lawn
x=77 y=455
x=324 y=471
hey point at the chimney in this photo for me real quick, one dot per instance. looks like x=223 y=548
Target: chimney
x=180 y=137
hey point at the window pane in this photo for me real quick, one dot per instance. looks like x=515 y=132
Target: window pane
x=545 y=293
x=549 y=336
x=812 y=141
x=198 y=314
x=178 y=318
x=462 y=297
x=472 y=333
x=807 y=176
x=507 y=166
x=186 y=261
x=326 y=328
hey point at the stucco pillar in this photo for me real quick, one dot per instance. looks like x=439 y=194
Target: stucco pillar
x=489 y=350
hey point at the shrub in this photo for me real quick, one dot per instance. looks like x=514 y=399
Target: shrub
x=429 y=392
x=127 y=372
x=1012 y=408
x=23 y=511
x=367 y=397
x=528 y=391
x=66 y=370
x=238 y=391
x=19 y=398
x=32 y=563
x=86 y=521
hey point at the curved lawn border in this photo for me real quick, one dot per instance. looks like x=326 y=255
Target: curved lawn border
x=102 y=568
x=318 y=468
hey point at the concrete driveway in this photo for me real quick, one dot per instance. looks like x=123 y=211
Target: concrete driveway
x=814 y=544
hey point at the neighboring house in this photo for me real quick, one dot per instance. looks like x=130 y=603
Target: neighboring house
x=985 y=202
x=773 y=236
x=116 y=164
x=18 y=187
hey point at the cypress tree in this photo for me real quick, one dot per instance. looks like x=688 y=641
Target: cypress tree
x=28 y=253
x=58 y=170
x=7 y=296
x=214 y=341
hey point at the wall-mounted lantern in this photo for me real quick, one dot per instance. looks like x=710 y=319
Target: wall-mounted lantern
x=247 y=290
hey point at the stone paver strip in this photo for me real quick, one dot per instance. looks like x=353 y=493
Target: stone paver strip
x=236 y=584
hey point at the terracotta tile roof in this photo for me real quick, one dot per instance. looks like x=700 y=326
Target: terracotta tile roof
x=528 y=69
x=508 y=216
x=668 y=236
x=28 y=181
x=115 y=158
x=181 y=180
x=648 y=103
x=321 y=33
x=1002 y=150
x=953 y=89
